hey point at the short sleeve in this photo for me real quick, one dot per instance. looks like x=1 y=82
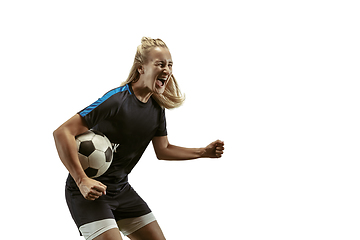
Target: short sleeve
x=162 y=126
x=103 y=108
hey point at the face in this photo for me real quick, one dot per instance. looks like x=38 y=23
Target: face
x=156 y=72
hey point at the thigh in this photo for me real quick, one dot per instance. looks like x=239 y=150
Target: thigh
x=101 y=227
x=112 y=234
x=152 y=231
x=86 y=211
x=130 y=204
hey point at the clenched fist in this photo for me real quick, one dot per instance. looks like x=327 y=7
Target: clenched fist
x=214 y=149
x=91 y=189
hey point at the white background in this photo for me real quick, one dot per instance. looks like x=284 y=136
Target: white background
x=278 y=81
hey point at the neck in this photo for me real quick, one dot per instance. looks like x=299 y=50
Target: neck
x=141 y=91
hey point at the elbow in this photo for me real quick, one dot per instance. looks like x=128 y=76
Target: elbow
x=159 y=156
x=58 y=133
x=161 y=149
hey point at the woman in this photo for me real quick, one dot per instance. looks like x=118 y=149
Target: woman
x=131 y=116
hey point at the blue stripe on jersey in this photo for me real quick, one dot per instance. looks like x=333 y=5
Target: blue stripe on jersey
x=87 y=110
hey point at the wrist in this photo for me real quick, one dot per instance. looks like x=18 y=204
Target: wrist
x=202 y=152
x=79 y=180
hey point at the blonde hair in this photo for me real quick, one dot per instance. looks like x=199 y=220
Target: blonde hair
x=172 y=96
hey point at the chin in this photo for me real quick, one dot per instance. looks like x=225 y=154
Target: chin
x=159 y=91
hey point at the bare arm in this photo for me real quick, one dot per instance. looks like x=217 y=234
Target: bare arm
x=66 y=146
x=65 y=143
x=166 y=151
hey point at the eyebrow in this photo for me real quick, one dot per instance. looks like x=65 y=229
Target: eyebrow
x=162 y=61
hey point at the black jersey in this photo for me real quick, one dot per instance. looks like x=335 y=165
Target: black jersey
x=128 y=123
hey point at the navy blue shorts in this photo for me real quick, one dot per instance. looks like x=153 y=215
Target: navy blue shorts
x=120 y=204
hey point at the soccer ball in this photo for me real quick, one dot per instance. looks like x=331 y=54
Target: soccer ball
x=95 y=152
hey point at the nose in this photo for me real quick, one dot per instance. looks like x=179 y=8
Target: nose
x=167 y=70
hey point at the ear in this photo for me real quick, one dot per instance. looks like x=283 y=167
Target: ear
x=140 y=69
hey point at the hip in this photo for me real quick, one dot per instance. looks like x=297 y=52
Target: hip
x=113 y=184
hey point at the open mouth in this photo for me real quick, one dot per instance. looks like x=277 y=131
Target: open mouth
x=161 y=81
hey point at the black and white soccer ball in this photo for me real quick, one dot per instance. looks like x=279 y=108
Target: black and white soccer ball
x=95 y=152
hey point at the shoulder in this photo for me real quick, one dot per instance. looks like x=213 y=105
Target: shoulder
x=122 y=90
x=158 y=109
x=111 y=99
x=118 y=95
x=156 y=104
